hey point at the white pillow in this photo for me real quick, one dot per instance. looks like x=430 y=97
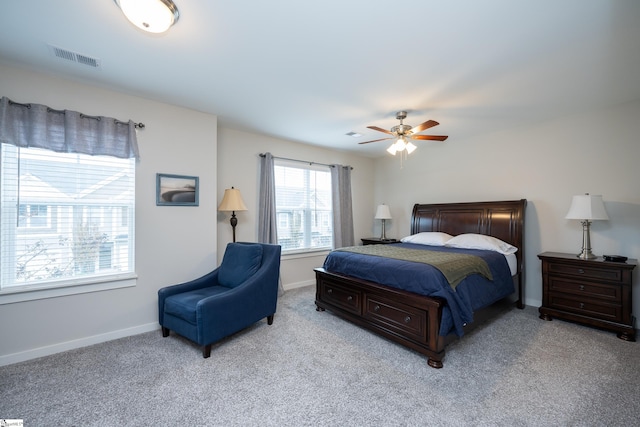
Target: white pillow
x=480 y=241
x=432 y=238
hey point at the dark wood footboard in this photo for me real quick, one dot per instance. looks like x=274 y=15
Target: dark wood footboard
x=409 y=319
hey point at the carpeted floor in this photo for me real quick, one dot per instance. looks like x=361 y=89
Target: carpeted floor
x=311 y=368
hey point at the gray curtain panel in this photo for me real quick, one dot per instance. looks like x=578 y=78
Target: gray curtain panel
x=341 y=204
x=66 y=131
x=267 y=226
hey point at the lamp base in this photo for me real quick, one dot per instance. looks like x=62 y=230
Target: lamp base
x=234 y=222
x=383 y=236
x=586 y=241
x=586 y=255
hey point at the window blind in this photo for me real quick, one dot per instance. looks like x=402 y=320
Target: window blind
x=303 y=206
x=65 y=217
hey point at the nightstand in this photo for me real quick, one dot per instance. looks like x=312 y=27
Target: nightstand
x=592 y=292
x=378 y=241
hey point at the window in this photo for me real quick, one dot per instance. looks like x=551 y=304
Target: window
x=66 y=218
x=303 y=206
x=33 y=216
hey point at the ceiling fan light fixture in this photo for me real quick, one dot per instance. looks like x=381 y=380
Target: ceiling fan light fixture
x=403 y=134
x=153 y=16
x=410 y=147
x=400 y=144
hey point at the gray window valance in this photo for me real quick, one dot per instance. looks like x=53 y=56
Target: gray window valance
x=66 y=131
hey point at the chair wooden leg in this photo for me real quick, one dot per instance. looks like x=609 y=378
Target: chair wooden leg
x=206 y=351
x=270 y=320
x=165 y=332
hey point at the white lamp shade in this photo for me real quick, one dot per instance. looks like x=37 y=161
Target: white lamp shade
x=383 y=212
x=232 y=201
x=400 y=144
x=154 y=16
x=587 y=207
x=410 y=147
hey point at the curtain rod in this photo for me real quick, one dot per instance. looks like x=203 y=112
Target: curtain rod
x=51 y=110
x=303 y=161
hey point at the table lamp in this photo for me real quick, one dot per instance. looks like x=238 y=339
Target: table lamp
x=384 y=214
x=232 y=201
x=586 y=208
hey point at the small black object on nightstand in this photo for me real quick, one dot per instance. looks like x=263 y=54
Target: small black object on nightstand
x=615 y=258
x=378 y=241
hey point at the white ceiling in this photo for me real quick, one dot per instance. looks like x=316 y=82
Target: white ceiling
x=313 y=71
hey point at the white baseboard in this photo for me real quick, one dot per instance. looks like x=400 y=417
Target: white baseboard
x=23 y=356
x=10 y=359
x=297 y=285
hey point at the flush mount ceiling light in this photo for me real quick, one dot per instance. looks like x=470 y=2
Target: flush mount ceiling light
x=154 y=16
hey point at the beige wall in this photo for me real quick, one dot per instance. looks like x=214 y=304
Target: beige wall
x=238 y=166
x=173 y=244
x=546 y=164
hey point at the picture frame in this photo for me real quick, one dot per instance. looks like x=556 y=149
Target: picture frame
x=177 y=190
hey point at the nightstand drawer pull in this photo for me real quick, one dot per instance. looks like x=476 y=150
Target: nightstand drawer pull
x=349 y=298
x=581 y=305
x=376 y=308
x=582 y=287
x=581 y=271
x=407 y=319
x=329 y=291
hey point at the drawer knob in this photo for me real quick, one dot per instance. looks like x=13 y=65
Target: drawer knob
x=376 y=308
x=581 y=271
x=582 y=287
x=329 y=291
x=407 y=319
x=581 y=305
x=349 y=298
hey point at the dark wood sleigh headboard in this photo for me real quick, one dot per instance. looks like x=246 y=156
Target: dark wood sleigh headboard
x=502 y=219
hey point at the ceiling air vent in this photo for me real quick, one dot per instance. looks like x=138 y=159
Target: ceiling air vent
x=74 y=56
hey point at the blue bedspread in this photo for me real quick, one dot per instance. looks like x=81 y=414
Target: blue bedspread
x=471 y=294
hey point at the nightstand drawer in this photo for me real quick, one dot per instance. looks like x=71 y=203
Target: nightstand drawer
x=585 y=290
x=586 y=272
x=612 y=312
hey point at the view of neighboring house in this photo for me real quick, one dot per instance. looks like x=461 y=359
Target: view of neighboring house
x=67 y=231
x=303 y=208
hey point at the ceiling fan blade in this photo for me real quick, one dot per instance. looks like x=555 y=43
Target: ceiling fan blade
x=430 y=137
x=375 y=140
x=426 y=125
x=379 y=129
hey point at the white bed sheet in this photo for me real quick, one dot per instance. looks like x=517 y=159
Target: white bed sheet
x=512 y=260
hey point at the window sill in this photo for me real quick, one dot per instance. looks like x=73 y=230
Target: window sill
x=10 y=296
x=305 y=254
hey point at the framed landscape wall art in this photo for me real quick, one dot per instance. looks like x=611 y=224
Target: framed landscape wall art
x=176 y=190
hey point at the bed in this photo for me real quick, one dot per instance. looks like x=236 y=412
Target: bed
x=425 y=322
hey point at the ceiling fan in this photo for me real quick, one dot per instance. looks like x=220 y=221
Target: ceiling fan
x=402 y=133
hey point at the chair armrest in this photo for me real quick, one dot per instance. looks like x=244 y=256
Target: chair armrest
x=209 y=279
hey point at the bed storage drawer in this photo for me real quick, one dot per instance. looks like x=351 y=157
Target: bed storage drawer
x=340 y=296
x=396 y=317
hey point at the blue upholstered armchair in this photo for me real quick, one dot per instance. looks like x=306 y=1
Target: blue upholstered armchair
x=243 y=290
